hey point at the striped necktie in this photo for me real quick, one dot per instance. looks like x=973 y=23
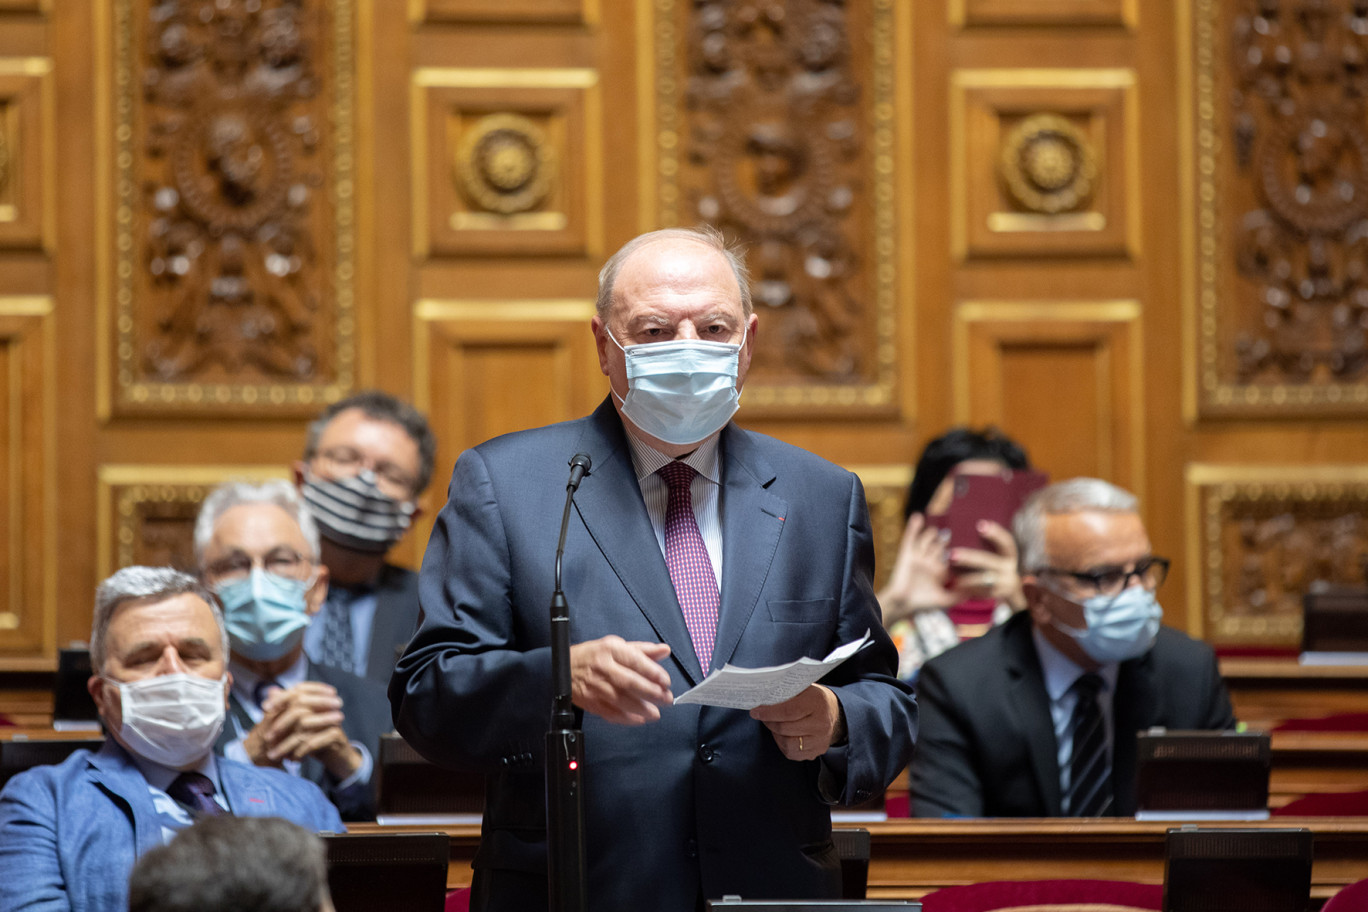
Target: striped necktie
x=1090 y=786
x=686 y=556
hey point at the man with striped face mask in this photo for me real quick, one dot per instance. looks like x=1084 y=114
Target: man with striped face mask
x=366 y=461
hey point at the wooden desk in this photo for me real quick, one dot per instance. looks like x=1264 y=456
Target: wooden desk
x=1268 y=691
x=912 y=857
x=1307 y=762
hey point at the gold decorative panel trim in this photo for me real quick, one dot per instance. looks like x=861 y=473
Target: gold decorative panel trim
x=1276 y=281
x=26 y=124
x=886 y=493
x=775 y=123
x=1044 y=163
x=519 y=12
x=507 y=161
x=233 y=152
x=146 y=513
x=1259 y=536
x=28 y=484
x=1124 y=13
x=1088 y=353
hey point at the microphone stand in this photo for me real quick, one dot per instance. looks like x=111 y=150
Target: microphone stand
x=564 y=744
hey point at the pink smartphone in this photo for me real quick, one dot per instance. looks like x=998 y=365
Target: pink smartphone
x=978 y=497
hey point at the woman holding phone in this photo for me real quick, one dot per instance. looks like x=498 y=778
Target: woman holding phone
x=940 y=593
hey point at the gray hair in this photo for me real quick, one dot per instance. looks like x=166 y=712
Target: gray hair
x=1077 y=495
x=235 y=493
x=135 y=584
x=706 y=235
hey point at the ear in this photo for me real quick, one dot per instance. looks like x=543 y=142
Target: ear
x=1036 y=598
x=227 y=686
x=299 y=467
x=108 y=701
x=601 y=342
x=313 y=599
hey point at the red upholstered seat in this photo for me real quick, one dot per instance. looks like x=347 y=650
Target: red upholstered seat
x=1326 y=804
x=458 y=900
x=1351 y=722
x=1353 y=898
x=1040 y=895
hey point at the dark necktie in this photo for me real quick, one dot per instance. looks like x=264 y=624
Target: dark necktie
x=1090 y=788
x=336 y=649
x=195 y=791
x=686 y=556
x=263 y=690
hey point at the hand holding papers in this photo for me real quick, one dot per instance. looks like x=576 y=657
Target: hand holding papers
x=747 y=688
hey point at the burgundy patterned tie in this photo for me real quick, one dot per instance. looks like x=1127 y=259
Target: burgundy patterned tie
x=196 y=792
x=691 y=569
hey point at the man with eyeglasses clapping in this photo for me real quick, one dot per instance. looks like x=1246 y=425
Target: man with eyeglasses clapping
x=1038 y=718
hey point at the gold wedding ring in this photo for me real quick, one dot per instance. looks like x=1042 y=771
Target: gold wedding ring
x=800 y=742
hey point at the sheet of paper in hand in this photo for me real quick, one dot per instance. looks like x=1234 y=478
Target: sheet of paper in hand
x=747 y=688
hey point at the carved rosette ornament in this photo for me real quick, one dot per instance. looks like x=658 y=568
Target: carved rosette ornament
x=234 y=221
x=504 y=165
x=1293 y=205
x=1048 y=165
x=771 y=130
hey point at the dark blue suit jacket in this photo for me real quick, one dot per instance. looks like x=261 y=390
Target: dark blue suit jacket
x=701 y=802
x=69 y=833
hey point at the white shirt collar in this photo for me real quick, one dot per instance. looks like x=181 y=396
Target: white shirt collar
x=1061 y=672
x=647 y=460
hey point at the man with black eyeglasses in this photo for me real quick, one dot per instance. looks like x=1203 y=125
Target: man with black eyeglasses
x=258 y=552
x=1038 y=718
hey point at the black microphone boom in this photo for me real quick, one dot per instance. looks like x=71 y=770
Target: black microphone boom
x=564 y=743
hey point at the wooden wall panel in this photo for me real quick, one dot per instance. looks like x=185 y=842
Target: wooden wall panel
x=1063 y=377
x=26 y=123
x=1058 y=13
x=27 y=488
x=575 y=12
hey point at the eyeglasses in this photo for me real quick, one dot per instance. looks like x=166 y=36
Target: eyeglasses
x=346 y=461
x=238 y=566
x=1150 y=572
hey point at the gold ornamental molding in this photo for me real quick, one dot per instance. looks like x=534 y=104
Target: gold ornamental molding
x=1259 y=536
x=788 y=162
x=127 y=494
x=1048 y=164
x=268 y=323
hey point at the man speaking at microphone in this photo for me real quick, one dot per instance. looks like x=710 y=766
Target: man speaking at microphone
x=692 y=544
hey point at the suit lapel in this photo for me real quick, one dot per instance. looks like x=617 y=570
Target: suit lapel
x=752 y=521
x=1133 y=710
x=114 y=771
x=610 y=506
x=1031 y=707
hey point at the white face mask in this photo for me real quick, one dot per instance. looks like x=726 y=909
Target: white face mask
x=681 y=391
x=171 y=719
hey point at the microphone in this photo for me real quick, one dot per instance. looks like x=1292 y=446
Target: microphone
x=564 y=742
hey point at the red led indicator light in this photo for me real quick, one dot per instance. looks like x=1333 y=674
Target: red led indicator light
x=574 y=764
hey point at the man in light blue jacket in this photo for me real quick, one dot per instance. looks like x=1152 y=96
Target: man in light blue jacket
x=70 y=833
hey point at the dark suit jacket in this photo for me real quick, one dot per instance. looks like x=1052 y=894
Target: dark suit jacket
x=396 y=618
x=701 y=802
x=366 y=716
x=987 y=746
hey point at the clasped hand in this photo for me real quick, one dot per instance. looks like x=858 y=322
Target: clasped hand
x=303 y=721
x=920 y=578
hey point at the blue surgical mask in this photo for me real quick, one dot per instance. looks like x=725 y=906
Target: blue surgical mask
x=265 y=614
x=682 y=391
x=1119 y=627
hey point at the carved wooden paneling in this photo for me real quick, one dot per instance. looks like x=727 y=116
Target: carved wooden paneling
x=885 y=492
x=774 y=122
x=507 y=162
x=1281 y=170
x=147 y=513
x=1042 y=13
x=234 y=220
x=1017 y=362
x=25 y=124
x=27 y=486
x=1044 y=163
x=1259 y=536
x=528 y=12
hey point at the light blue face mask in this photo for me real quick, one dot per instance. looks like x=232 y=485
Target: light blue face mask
x=265 y=614
x=1120 y=627
x=681 y=391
